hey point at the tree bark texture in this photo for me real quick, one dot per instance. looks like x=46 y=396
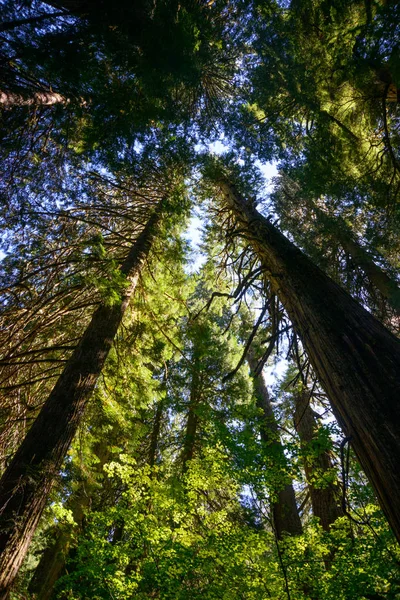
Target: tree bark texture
x=284 y=510
x=25 y=485
x=325 y=498
x=355 y=357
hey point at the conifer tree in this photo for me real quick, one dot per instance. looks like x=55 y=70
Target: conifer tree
x=354 y=356
x=27 y=481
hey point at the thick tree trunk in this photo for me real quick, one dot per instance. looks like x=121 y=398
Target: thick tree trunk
x=387 y=286
x=284 y=511
x=25 y=485
x=325 y=496
x=355 y=357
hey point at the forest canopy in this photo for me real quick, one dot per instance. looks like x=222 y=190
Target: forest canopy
x=216 y=420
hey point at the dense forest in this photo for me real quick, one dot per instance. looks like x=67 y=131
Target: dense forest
x=216 y=420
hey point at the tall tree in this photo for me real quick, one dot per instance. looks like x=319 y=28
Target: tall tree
x=306 y=217
x=324 y=491
x=284 y=509
x=26 y=483
x=356 y=359
x=319 y=96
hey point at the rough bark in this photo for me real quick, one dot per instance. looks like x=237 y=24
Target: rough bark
x=325 y=497
x=284 y=511
x=355 y=357
x=25 y=485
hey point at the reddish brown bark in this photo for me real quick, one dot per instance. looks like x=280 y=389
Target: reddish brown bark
x=355 y=357
x=25 y=485
x=52 y=563
x=325 y=495
x=284 y=510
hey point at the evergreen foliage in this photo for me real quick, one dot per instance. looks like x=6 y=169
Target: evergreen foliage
x=199 y=455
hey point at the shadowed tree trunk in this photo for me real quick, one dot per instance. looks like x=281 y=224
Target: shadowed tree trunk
x=155 y=434
x=52 y=563
x=325 y=495
x=284 y=510
x=192 y=419
x=25 y=485
x=7 y=25
x=386 y=285
x=355 y=357
x=338 y=228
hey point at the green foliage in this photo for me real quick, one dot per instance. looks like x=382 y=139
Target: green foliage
x=169 y=487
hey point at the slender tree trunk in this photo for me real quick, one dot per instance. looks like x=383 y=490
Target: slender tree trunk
x=190 y=437
x=325 y=496
x=10 y=99
x=355 y=357
x=155 y=434
x=284 y=511
x=7 y=25
x=79 y=7
x=25 y=485
x=52 y=563
x=387 y=286
x=192 y=419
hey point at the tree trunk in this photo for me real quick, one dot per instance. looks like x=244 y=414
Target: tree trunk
x=284 y=511
x=325 y=498
x=381 y=280
x=52 y=563
x=387 y=286
x=355 y=357
x=193 y=419
x=7 y=25
x=25 y=485
x=10 y=99
x=192 y=424
x=155 y=433
x=190 y=437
